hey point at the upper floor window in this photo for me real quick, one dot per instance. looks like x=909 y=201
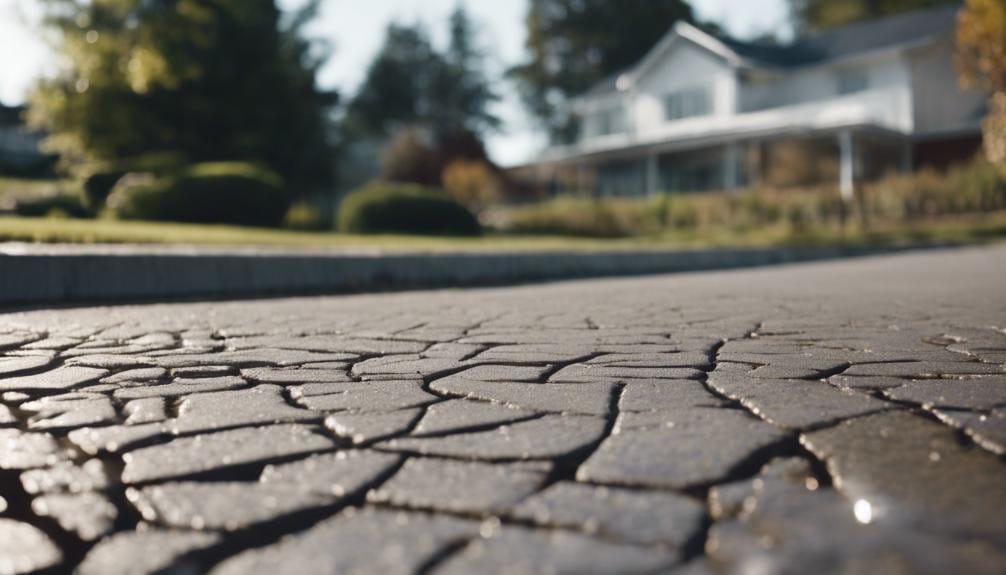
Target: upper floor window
x=610 y=121
x=851 y=81
x=687 y=103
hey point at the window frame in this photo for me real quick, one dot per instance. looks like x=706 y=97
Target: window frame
x=687 y=102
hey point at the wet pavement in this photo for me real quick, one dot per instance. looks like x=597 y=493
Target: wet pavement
x=838 y=417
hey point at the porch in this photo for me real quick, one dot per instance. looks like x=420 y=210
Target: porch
x=841 y=158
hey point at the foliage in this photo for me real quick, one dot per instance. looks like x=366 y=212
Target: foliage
x=815 y=15
x=99 y=179
x=223 y=192
x=405 y=208
x=978 y=188
x=411 y=83
x=471 y=183
x=210 y=79
x=981 y=58
x=54 y=205
x=415 y=156
x=411 y=158
x=573 y=44
x=304 y=215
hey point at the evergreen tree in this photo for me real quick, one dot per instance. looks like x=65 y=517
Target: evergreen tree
x=575 y=43
x=410 y=83
x=208 y=79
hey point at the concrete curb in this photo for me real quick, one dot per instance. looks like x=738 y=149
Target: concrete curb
x=68 y=275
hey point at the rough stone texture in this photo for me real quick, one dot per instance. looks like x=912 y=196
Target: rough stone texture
x=24 y=549
x=361 y=427
x=338 y=474
x=459 y=486
x=526 y=551
x=61 y=378
x=221 y=505
x=843 y=418
x=458 y=415
x=548 y=437
x=66 y=476
x=365 y=542
x=213 y=451
x=785 y=520
x=21 y=450
x=869 y=457
x=89 y=515
x=142 y=552
x=677 y=448
x=976 y=394
x=628 y=516
x=263 y=404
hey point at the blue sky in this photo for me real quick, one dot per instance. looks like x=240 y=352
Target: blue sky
x=355 y=29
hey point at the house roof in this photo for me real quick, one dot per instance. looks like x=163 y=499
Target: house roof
x=850 y=40
x=836 y=43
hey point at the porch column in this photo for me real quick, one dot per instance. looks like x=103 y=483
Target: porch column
x=907 y=156
x=652 y=174
x=731 y=177
x=847 y=164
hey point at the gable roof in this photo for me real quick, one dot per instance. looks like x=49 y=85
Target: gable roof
x=834 y=44
x=851 y=39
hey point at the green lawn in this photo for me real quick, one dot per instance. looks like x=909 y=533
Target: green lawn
x=53 y=230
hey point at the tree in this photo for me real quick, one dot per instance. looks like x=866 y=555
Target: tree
x=426 y=106
x=410 y=83
x=395 y=92
x=461 y=89
x=210 y=79
x=575 y=43
x=981 y=58
x=816 y=15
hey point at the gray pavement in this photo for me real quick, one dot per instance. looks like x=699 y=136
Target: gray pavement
x=835 y=417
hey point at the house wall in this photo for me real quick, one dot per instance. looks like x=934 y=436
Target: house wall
x=686 y=66
x=939 y=103
x=888 y=89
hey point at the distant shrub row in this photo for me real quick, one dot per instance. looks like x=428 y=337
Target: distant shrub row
x=393 y=208
x=226 y=192
x=971 y=189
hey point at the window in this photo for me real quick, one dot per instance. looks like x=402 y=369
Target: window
x=851 y=81
x=610 y=121
x=687 y=103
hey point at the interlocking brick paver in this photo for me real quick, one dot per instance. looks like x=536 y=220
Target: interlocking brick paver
x=839 y=417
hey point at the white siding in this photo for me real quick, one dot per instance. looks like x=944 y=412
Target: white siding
x=685 y=66
x=887 y=83
x=939 y=102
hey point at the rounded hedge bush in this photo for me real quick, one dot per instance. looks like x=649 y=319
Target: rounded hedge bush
x=393 y=208
x=224 y=192
x=100 y=179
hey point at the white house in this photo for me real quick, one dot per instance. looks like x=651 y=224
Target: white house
x=705 y=112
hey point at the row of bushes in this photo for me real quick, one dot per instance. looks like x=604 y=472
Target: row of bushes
x=163 y=187
x=243 y=194
x=970 y=189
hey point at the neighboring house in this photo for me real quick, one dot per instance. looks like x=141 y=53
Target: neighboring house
x=703 y=112
x=20 y=148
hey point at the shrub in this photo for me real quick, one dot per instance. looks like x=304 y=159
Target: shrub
x=56 y=205
x=577 y=217
x=304 y=215
x=99 y=179
x=405 y=208
x=225 y=192
x=471 y=183
x=410 y=158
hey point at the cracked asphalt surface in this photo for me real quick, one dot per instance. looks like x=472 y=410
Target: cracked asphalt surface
x=839 y=417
